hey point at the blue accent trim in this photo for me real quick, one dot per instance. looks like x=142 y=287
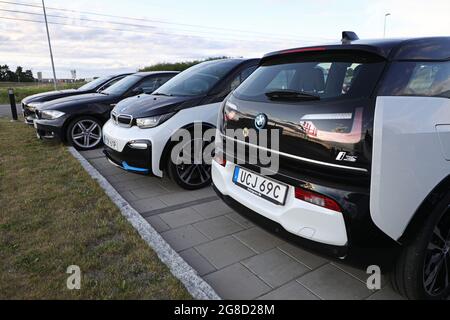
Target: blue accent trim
x=130 y=168
x=236 y=174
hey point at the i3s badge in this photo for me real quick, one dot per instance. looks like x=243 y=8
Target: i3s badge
x=260 y=121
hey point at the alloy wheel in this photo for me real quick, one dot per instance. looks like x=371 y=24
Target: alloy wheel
x=437 y=259
x=193 y=170
x=86 y=134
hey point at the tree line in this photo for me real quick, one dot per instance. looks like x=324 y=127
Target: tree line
x=177 y=66
x=6 y=75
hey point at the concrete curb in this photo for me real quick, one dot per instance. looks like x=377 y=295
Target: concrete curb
x=196 y=286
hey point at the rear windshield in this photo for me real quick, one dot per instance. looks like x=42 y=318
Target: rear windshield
x=426 y=79
x=326 y=76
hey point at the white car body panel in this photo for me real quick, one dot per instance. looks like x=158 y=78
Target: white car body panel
x=411 y=150
x=161 y=134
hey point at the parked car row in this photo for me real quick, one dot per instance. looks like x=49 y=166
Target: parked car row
x=359 y=131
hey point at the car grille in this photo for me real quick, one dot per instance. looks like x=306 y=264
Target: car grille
x=123 y=120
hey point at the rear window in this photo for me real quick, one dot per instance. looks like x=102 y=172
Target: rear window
x=326 y=75
x=427 y=79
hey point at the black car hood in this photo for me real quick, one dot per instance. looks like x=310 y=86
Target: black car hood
x=152 y=105
x=82 y=99
x=46 y=96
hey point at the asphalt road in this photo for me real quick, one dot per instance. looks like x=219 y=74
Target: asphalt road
x=5 y=110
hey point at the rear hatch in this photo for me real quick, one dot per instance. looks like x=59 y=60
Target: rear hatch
x=322 y=102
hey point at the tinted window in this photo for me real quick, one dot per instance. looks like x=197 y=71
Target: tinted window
x=94 y=84
x=199 y=79
x=429 y=79
x=328 y=76
x=122 y=86
x=242 y=77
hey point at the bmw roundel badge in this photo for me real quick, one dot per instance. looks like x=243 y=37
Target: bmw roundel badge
x=260 y=121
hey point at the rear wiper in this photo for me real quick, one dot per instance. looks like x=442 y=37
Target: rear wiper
x=291 y=95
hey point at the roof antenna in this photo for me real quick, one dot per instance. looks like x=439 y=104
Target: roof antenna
x=349 y=36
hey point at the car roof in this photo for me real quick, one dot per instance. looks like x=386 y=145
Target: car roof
x=149 y=73
x=430 y=49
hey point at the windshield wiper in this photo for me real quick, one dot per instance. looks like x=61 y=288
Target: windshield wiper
x=162 y=94
x=291 y=95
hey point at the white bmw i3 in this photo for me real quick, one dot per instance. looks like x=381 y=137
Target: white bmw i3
x=139 y=136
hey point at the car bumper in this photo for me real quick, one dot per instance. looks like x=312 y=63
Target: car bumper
x=132 y=159
x=123 y=150
x=50 y=129
x=298 y=217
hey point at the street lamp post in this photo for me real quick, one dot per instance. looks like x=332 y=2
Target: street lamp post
x=385 y=23
x=49 y=44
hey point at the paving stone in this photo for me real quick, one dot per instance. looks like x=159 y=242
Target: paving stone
x=275 y=267
x=158 y=223
x=224 y=252
x=258 y=239
x=184 y=238
x=91 y=154
x=196 y=261
x=387 y=293
x=181 y=217
x=177 y=198
x=358 y=273
x=125 y=176
x=148 y=191
x=212 y=209
x=331 y=283
x=309 y=259
x=145 y=205
x=290 y=291
x=217 y=227
x=236 y=217
x=127 y=195
x=236 y=282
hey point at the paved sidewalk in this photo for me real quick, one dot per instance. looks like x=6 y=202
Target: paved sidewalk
x=238 y=259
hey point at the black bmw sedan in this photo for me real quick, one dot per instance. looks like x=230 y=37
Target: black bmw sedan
x=30 y=103
x=78 y=120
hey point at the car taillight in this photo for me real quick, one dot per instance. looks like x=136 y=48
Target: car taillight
x=317 y=199
x=220 y=159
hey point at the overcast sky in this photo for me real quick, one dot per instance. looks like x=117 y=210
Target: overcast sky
x=173 y=30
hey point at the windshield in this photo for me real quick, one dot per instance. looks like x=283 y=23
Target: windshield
x=316 y=77
x=122 y=86
x=94 y=84
x=197 y=80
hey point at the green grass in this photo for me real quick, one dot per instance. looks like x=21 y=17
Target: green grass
x=21 y=91
x=54 y=215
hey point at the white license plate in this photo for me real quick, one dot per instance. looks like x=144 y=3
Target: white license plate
x=260 y=186
x=110 y=142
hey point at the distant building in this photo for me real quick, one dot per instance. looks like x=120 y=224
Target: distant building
x=39 y=76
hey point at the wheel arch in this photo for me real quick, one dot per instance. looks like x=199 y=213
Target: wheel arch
x=433 y=198
x=169 y=144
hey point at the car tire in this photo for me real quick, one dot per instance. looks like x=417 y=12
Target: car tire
x=84 y=133
x=190 y=176
x=412 y=275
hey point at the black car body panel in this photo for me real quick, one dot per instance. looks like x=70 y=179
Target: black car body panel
x=29 y=111
x=98 y=105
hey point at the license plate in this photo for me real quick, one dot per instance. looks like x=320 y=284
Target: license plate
x=110 y=142
x=260 y=186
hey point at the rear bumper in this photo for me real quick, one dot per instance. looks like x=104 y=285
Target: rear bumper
x=274 y=227
x=300 y=218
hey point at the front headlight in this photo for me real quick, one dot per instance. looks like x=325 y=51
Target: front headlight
x=151 y=122
x=51 y=114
